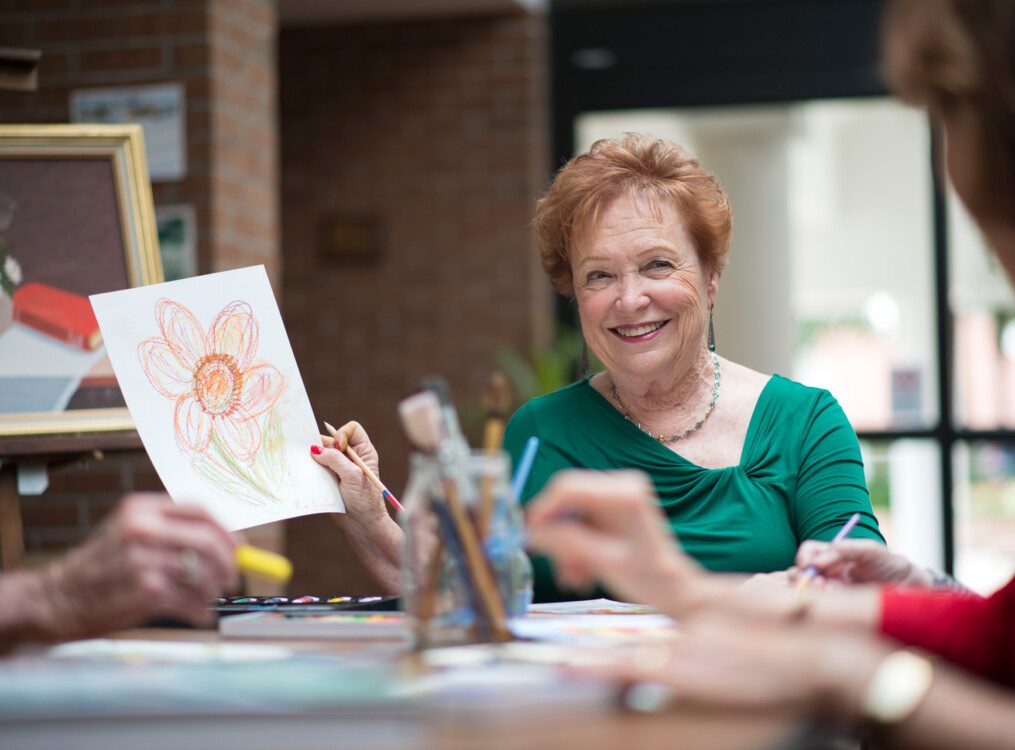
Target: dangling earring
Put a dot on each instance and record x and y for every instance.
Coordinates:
(711, 332)
(585, 358)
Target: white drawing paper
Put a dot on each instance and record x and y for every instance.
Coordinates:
(211, 382)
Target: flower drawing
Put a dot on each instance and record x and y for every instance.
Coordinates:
(220, 392)
(12, 270)
(10, 273)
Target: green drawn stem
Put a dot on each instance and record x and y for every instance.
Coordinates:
(256, 483)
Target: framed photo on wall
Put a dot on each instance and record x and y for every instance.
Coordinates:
(76, 218)
(159, 108)
(177, 240)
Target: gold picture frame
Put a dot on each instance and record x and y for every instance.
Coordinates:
(77, 218)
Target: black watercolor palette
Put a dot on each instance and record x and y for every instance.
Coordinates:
(295, 604)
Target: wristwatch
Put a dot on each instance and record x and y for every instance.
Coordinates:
(897, 688)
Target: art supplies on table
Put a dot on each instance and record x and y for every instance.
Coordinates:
(264, 563)
(138, 652)
(282, 624)
(114, 677)
(175, 696)
(231, 605)
(212, 384)
(453, 578)
(464, 565)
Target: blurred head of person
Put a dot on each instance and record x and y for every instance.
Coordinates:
(957, 59)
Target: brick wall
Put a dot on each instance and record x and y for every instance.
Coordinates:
(223, 52)
(435, 131)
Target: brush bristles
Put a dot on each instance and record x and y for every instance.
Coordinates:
(421, 420)
(498, 395)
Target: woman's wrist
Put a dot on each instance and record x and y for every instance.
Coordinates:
(366, 511)
(918, 577)
(365, 526)
(33, 612)
(696, 591)
(842, 677)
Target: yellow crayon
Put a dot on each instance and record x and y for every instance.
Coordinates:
(255, 560)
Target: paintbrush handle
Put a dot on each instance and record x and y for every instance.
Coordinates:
(428, 595)
(492, 435)
(476, 566)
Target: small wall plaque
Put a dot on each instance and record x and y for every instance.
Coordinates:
(351, 240)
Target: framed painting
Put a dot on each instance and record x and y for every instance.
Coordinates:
(76, 218)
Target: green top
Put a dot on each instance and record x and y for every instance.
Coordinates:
(800, 475)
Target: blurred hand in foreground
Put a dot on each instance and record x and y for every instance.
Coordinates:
(606, 527)
(151, 558)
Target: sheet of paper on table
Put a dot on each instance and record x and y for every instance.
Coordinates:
(211, 382)
(593, 630)
(590, 607)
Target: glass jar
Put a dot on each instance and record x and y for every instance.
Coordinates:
(439, 592)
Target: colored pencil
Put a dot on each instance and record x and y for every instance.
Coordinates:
(524, 467)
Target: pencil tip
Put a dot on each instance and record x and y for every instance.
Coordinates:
(330, 428)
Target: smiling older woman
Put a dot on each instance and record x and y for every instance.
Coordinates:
(745, 465)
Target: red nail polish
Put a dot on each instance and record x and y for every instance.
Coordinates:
(315, 449)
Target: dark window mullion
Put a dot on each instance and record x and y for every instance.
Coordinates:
(946, 434)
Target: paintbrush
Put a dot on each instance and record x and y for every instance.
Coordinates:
(497, 401)
(414, 411)
(354, 457)
(432, 426)
(452, 443)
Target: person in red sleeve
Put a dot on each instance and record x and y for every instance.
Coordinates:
(844, 651)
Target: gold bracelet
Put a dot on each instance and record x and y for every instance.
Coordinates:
(897, 687)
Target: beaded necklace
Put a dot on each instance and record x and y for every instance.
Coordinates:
(666, 439)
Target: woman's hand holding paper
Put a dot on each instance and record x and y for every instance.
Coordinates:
(374, 537)
(364, 505)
